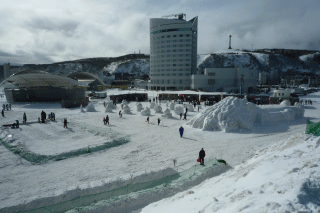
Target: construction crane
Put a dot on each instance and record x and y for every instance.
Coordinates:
(180, 16)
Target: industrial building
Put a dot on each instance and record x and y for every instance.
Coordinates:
(173, 52)
(40, 86)
(231, 80)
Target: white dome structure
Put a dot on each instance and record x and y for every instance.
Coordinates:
(158, 109)
(109, 107)
(152, 105)
(91, 108)
(126, 109)
(172, 105)
(146, 112)
(178, 109)
(139, 107)
(167, 113)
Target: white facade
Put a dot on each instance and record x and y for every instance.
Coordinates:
(263, 78)
(282, 93)
(173, 52)
(231, 80)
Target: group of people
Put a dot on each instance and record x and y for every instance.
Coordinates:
(6, 106)
(106, 120)
(306, 102)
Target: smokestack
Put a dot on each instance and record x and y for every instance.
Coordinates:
(230, 42)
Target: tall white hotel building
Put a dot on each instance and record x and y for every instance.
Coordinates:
(173, 52)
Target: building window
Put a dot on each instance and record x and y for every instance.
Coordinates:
(168, 36)
(162, 81)
(181, 35)
(212, 73)
(211, 81)
(180, 40)
(162, 36)
(188, 35)
(187, 64)
(174, 36)
(173, 74)
(174, 65)
(180, 74)
(180, 81)
(168, 81)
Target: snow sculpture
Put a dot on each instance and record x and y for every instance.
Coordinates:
(189, 107)
(152, 105)
(172, 104)
(90, 108)
(109, 107)
(167, 113)
(146, 112)
(178, 109)
(232, 114)
(126, 109)
(285, 103)
(158, 109)
(139, 107)
(81, 109)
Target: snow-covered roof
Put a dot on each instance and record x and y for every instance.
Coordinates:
(28, 80)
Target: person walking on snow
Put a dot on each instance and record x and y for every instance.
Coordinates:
(181, 131)
(159, 121)
(107, 120)
(120, 114)
(202, 154)
(65, 123)
(147, 119)
(104, 120)
(24, 118)
(180, 115)
(185, 116)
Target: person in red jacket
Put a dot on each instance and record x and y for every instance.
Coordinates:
(202, 154)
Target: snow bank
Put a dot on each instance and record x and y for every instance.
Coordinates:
(280, 178)
(234, 114)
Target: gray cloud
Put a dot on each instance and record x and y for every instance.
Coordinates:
(51, 31)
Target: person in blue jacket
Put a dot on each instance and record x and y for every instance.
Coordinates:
(181, 129)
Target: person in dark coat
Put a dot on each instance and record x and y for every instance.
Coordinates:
(185, 116)
(65, 123)
(24, 118)
(202, 154)
(2, 113)
(147, 119)
(181, 129)
(107, 120)
(159, 121)
(104, 120)
(180, 115)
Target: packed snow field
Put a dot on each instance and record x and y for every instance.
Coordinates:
(273, 158)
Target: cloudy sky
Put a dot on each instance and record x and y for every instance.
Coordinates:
(41, 31)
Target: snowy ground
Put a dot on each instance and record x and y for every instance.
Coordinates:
(153, 148)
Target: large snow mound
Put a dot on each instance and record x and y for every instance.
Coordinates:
(234, 114)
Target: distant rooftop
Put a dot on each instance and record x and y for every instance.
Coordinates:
(181, 16)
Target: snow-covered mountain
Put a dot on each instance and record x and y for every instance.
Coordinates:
(139, 64)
